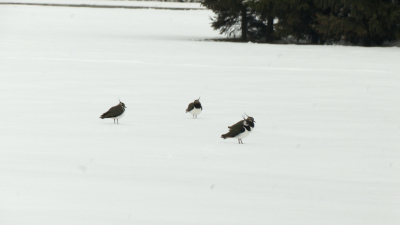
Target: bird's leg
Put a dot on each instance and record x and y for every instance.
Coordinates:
(114, 121)
(117, 121)
(239, 140)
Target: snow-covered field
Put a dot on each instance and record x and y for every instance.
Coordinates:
(124, 3)
(324, 151)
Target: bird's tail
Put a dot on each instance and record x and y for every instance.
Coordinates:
(103, 116)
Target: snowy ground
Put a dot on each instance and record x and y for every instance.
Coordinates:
(325, 149)
(155, 4)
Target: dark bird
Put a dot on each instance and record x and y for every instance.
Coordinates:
(194, 108)
(115, 112)
(240, 129)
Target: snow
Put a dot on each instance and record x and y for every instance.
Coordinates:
(186, 5)
(324, 150)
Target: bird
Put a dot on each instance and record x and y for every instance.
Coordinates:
(194, 108)
(240, 129)
(115, 112)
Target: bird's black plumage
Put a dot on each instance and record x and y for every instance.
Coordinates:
(190, 107)
(195, 108)
(239, 128)
(114, 112)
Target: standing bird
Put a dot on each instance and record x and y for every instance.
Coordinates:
(241, 129)
(115, 112)
(194, 108)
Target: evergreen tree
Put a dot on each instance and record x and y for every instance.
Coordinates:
(355, 21)
(297, 18)
(265, 16)
(231, 16)
(360, 21)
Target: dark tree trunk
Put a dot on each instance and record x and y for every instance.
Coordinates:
(244, 24)
(378, 41)
(270, 29)
(314, 38)
(367, 41)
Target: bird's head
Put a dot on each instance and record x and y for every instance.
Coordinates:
(249, 119)
(122, 104)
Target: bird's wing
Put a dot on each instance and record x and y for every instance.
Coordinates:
(237, 126)
(113, 112)
(234, 130)
(190, 107)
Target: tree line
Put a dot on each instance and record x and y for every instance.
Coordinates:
(357, 22)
